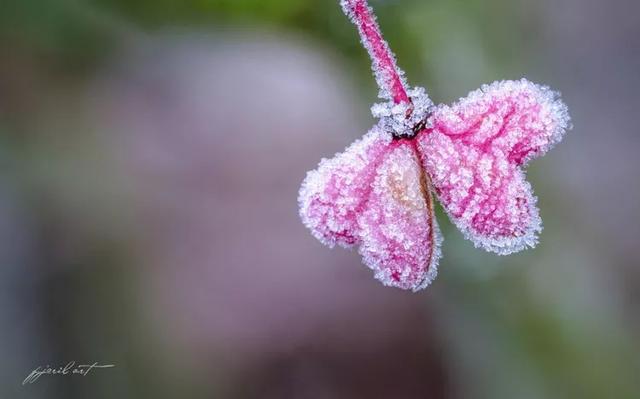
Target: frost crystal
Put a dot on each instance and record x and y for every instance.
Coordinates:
(402, 119)
(377, 193)
(389, 77)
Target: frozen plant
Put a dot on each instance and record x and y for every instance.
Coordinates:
(378, 193)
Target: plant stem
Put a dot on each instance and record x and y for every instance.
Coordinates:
(389, 77)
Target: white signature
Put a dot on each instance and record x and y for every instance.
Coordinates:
(67, 369)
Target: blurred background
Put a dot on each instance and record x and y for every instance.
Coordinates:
(150, 157)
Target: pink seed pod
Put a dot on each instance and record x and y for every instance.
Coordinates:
(400, 239)
(333, 195)
(474, 153)
(378, 193)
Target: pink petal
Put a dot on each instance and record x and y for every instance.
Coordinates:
(474, 152)
(400, 236)
(332, 195)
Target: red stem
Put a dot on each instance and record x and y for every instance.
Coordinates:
(388, 76)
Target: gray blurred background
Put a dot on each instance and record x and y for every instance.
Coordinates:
(151, 152)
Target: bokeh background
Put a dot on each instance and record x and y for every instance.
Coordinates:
(150, 156)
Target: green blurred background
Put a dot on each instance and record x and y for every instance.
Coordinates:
(151, 153)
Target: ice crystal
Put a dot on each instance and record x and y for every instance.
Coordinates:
(389, 77)
(403, 118)
(377, 194)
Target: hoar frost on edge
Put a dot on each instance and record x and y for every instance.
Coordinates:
(377, 194)
(402, 118)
